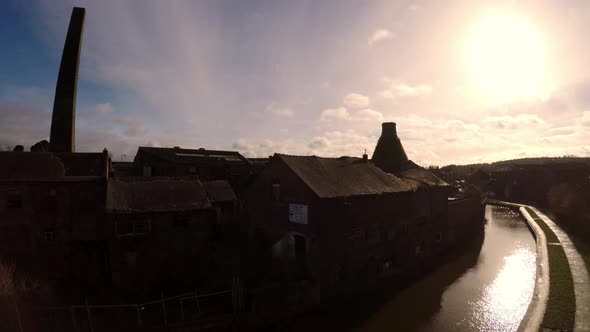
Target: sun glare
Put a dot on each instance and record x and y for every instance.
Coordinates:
(506, 58)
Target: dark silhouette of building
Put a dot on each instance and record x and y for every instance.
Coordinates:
(344, 223)
(63, 129)
(164, 230)
(48, 216)
(206, 164)
(65, 221)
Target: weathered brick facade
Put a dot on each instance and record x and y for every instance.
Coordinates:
(350, 240)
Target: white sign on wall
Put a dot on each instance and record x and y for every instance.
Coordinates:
(298, 213)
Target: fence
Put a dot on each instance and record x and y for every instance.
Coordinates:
(183, 309)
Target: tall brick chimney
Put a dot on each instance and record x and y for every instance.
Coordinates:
(63, 121)
(389, 153)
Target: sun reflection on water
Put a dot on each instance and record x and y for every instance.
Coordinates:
(506, 299)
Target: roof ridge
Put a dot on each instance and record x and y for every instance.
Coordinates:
(314, 156)
(186, 149)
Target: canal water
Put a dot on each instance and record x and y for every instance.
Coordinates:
(488, 288)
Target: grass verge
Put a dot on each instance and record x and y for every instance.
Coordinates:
(583, 246)
(561, 307)
(551, 237)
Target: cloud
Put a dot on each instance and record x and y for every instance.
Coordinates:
(414, 7)
(338, 143)
(188, 66)
(26, 124)
(23, 124)
(585, 119)
(339, 113)
(103, 108)
(134, 126)
(278, 111)
(318, 143)
(521, 121)
(368, 115)
(263, 148)
(400, 90)
(379, 35)
(356, 101)
(343, 114)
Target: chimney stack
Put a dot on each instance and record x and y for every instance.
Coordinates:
(388, 129)
(389, 153)
(63, 122)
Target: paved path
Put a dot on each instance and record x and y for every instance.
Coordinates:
(579, 274)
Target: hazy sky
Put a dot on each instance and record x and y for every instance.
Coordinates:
(466, 81)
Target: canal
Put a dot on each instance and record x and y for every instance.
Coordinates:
(486, 287)
(492, 294)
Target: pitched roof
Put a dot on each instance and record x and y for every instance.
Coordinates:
(161, 194)
(84, 163)
(190, 156)
(30, 166)
(345, 176)
(219, 191)
(423, 176)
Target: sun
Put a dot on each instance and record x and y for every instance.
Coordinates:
(505, 55)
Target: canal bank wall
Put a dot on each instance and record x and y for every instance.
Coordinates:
(533, 318)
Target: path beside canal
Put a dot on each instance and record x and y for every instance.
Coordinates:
(569, 276)
(579, 273)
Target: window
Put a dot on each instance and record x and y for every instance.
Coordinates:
(391, 234)
(14, 201)
(373, 236)
(49, 235)
(147, 171)
(132, 226)
(181, 220)
(438, 237)
(276, 190)
(131, 258)
(418, 250)
(141, 226)
(405, 228)
(421, 221)
(386, 266)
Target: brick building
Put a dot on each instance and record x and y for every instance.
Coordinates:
(164, 232)
(86, 232)
(344, 223)
(51, 222)
(206, 164)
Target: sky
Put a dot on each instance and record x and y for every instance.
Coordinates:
(465, 81)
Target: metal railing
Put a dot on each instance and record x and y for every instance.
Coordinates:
(182, 309)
